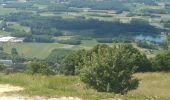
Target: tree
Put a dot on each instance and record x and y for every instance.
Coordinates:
(2, 67)
(14, 51)
(1, 49)
(14, 54)
(168, 39)
(109, 69)
(161, 62)
(72, 61)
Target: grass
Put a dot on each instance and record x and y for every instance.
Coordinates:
(53, 86)
(4, 33)
(153, 86)
(42, 50)
(31, 50)
(5, 11)
(63, 37)
(20, 27)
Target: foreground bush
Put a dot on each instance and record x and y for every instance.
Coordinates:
(110, 69)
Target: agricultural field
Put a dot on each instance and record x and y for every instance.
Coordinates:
(20, 27)
(5, 11)
(85, 49)
(4, 33)
(32, 50)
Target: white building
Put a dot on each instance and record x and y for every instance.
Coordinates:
(4, 39)
(6, 62)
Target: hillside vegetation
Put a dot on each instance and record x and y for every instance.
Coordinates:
(152, 86)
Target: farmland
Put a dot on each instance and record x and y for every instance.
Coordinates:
(39, 50)
(86, 49)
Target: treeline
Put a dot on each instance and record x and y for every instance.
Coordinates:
(146, 2)
(44, 25)
(69, 60)
(18, 5)
(49, 27)
(14, 55)
(102, 5)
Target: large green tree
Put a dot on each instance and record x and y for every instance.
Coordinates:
(111, 69)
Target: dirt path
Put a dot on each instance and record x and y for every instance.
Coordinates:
(5, 88)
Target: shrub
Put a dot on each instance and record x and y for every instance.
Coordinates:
(71, 61)
(2, 67)
(39, 67)
(161, 62)
(109, 69)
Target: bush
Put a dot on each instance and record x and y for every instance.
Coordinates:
(161, 62)
(2, 67)
(71, 61)
(39, 67)
(109, 69)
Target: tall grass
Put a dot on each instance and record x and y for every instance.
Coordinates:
(56, 86)
(153, 86)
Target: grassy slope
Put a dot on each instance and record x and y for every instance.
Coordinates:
(52, 86)
(153, 86)
(39, 50)
(42, 50)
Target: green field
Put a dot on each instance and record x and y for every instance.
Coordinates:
(42, 50)
(4, 33)
(153, 86)
(20, 27)
(4, 11)
(31, 50)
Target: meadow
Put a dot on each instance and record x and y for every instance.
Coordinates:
(153, 86)
(5, 11)
(31, 50)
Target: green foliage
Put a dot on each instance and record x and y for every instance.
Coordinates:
(1, 49)
(71, 61)
(72, 41)
(2, 25)
(110, 69)
(161, 62)
(145, 44)
(139, 21)
(2, 67)
(4, 55)
(104, 40)
(14, 51)
(168, 39)
(57, 55)
(39, 67)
